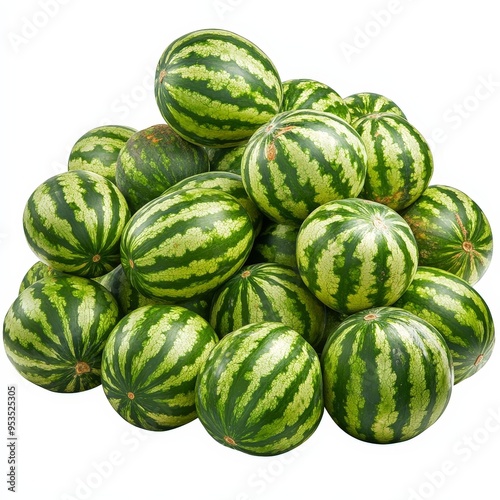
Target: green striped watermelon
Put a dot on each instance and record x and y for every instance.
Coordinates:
(452, 232)
(387, 375)
(300, 160)
(154, 159)
(400, 163)
(275, 243)
(366, 103)
(97, 150)
(73, 222)
(36, 272)
(215, 88)
(228, 182)
(186, 243)
(55, 330)
(150, 363)
(268, 292)
(354, 254)
(226, 159)
(303, 93)
(129, 299)
(458, 312)
(260, 390)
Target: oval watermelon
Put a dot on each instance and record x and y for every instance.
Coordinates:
(150, 363)
(97, 150)
(73, 222)
(186, 243)
(215, 88)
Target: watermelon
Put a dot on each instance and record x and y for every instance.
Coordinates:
(73, 222)
(268, 292)
(36, 272)
(129, 299)
(154, 159)
(387, 374)
(354, 254)
(275, 243)
(400, 163)
(150, 363)
(452, 232)
(215, 88)
(184, 244)
(304, 93)
(97, 150)
(458, 312)
(55, 330)
(260, 390)
(226, 159)
(228, 182)
(300, 160)
(367, 103)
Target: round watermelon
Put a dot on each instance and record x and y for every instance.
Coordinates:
(367, 103)
(354, 254)
(268, 292)
(55, 330)
(152, 160)
(300, 160)
(215, 88)
(458, 312)
(387, 374)
(260, 390)
(150, 363)
(305, 93)
(452, 232)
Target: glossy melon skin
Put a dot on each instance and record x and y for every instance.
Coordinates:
(260, 390)
(354, 254)
(215, 87)
(55, 330)
(150, 364)
(388, 375)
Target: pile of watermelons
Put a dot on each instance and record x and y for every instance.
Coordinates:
(271, 250)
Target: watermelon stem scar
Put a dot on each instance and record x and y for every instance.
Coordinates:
(229, 440)
(82, 367)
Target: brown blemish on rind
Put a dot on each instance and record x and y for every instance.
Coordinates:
(162, 75)
(246, 274)
(96, 258)
(229, 440)
(370, 317)
(130, 395)
(478, 359)
(131, 263)
(82, 367)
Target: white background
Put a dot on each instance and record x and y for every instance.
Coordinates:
(70, 65)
